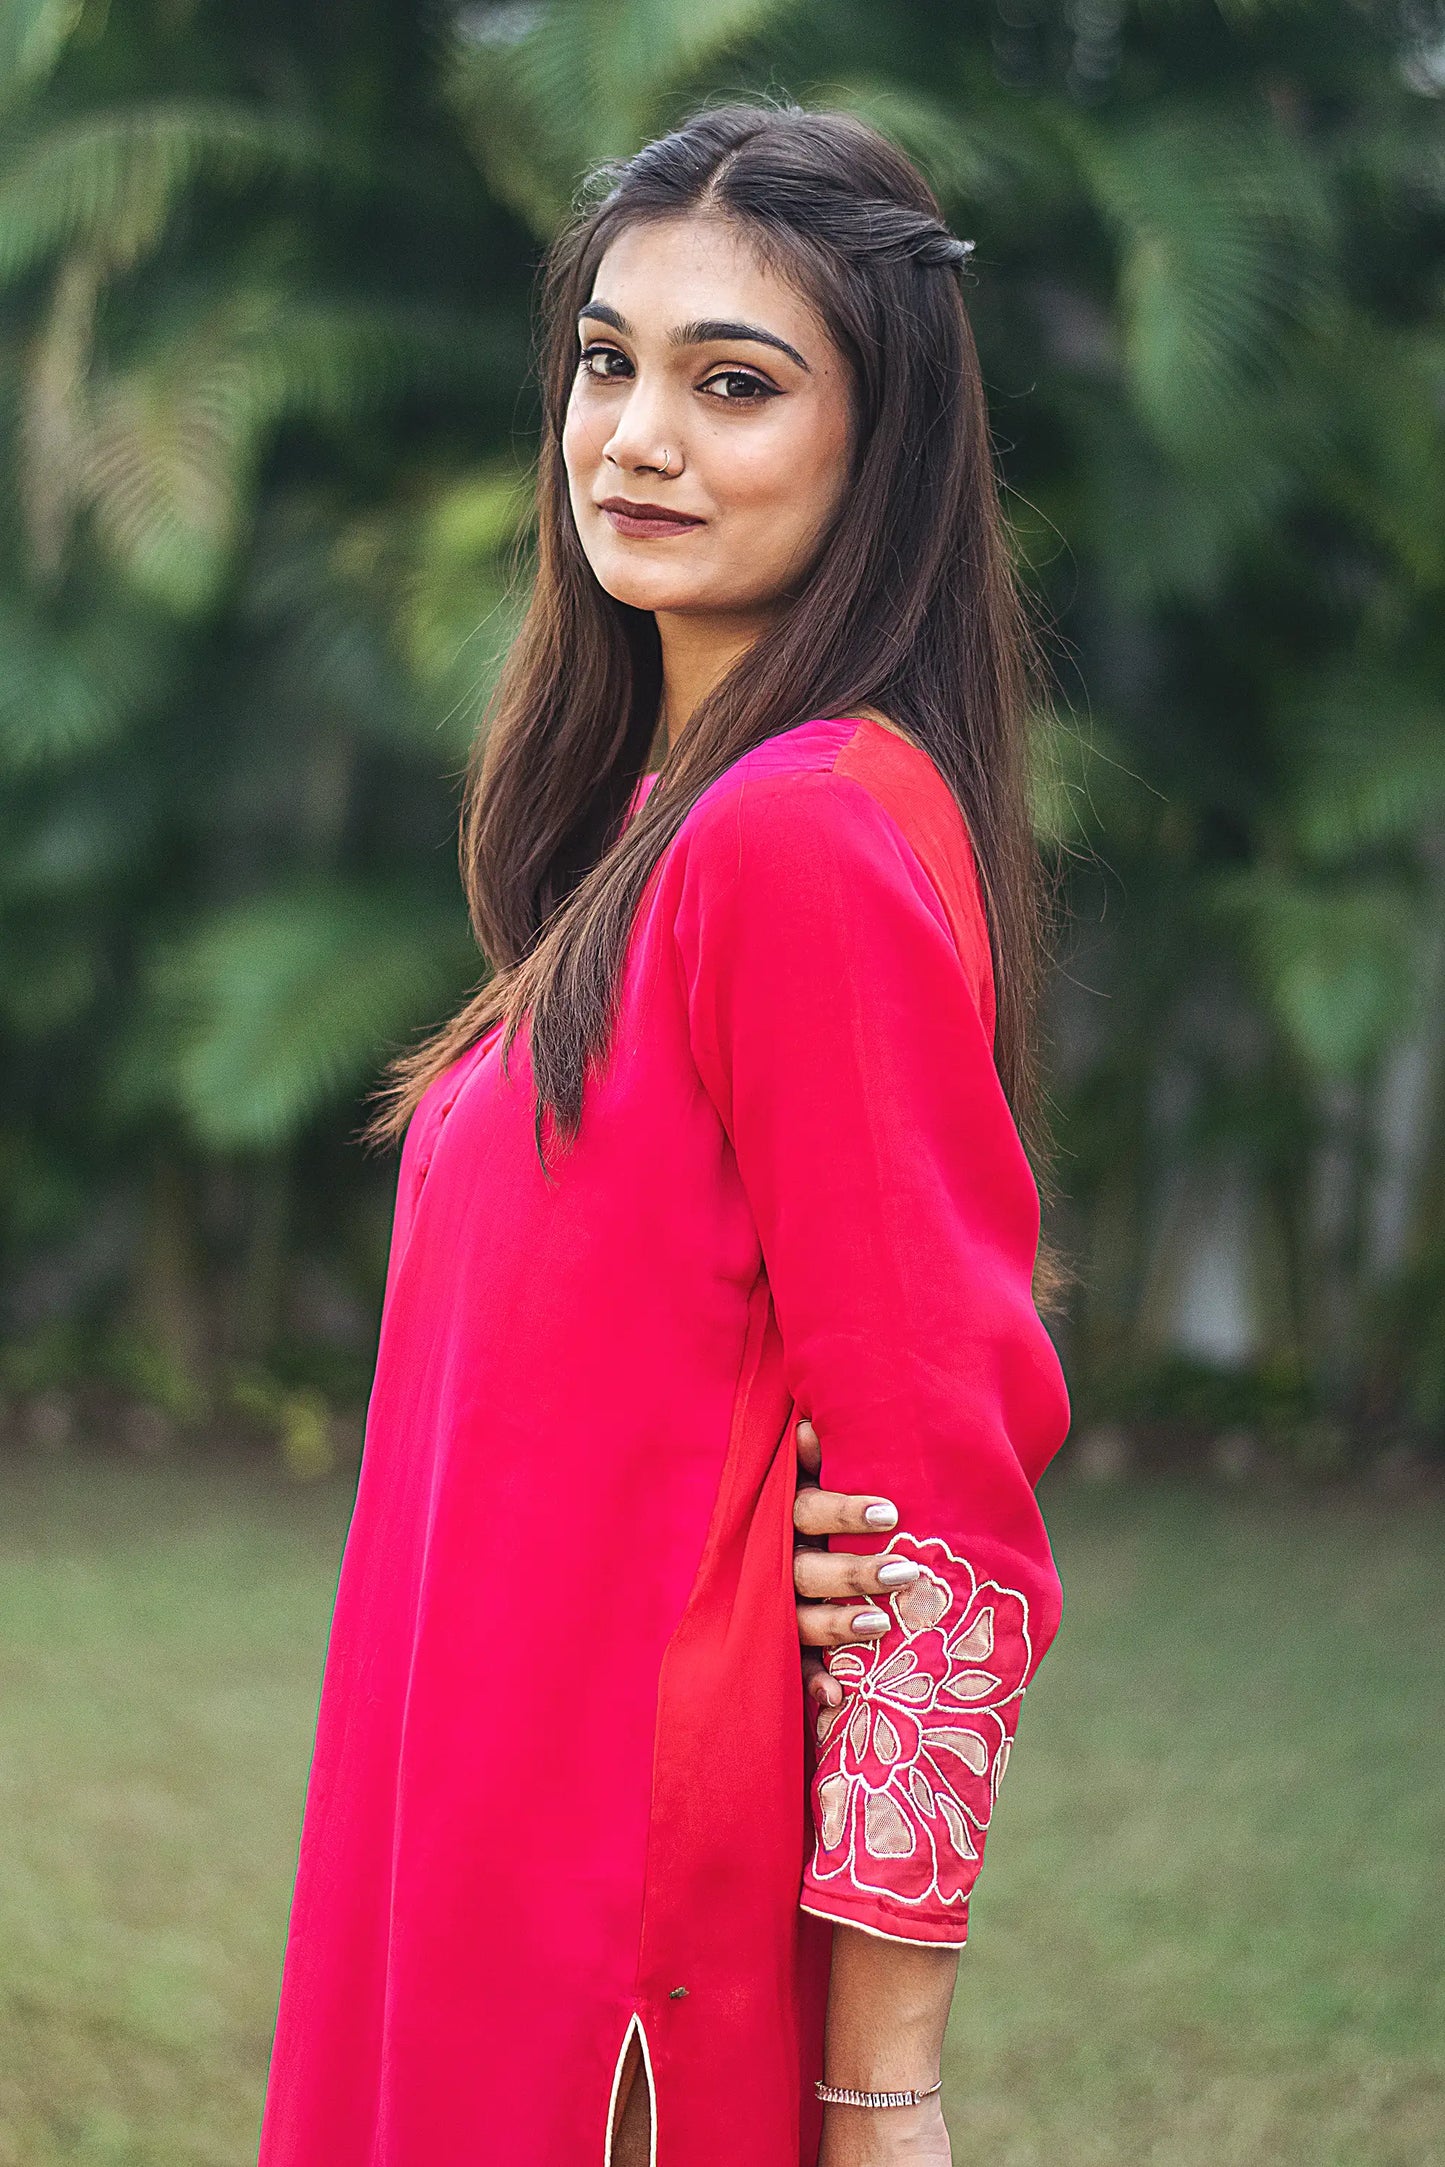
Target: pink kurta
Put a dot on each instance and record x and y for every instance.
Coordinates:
(563, 1788)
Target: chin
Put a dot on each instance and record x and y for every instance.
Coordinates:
(640, 589)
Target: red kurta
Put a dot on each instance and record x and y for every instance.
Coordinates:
(560, 1788)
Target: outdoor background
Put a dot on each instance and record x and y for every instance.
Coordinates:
(265, 424)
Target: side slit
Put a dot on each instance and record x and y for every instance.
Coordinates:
(638, 2031)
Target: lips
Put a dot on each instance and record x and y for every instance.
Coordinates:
(646, 521)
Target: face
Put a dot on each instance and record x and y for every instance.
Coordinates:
(708, 429)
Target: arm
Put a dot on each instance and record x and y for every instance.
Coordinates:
(888, 2004)
(843, 1039)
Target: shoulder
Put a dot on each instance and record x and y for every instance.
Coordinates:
(809, 775)
(858, 800)
(905, 781)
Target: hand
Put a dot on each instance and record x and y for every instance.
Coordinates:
(885, 2137)
(837, 1591)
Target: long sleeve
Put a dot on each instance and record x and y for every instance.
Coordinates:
(839, 1027)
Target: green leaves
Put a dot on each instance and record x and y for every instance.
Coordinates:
(547, 92)
(111, 180)
(1082, 789)
(1226, 234)
(169, 461)
(1336, 961)
(33, 34)
(1372, 756)
(72, 681)
(271, 1011)
(979, 156)
(266, 466)
(459, 604)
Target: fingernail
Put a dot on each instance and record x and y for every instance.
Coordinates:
(870, 1621)
(881, 1514)
(898, 1574)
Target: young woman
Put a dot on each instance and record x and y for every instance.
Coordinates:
(727, 1152)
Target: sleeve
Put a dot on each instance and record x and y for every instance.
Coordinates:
(842, 1040)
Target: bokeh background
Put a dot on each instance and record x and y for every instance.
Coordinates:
(265, 425)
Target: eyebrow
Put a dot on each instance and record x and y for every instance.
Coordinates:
(704, 331)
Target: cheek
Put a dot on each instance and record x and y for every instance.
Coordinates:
(789, 476)
(586, 427)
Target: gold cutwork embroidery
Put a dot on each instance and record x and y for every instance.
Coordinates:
(885, 1831)
(904, 1790)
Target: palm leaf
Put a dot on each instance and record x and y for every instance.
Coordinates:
(1371, 756)
(175, 437)
(68, 685)
(458, 606)
(111, 180)
(549, 92)
(33, 34)
(1156, 532)
(1227, 240)
(284, 1005)
(1335, 961)
(1381, 396)
(972, 154)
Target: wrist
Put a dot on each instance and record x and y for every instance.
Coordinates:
(885, 2136)
(876, 2095)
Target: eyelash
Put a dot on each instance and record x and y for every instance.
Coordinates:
(761, 389)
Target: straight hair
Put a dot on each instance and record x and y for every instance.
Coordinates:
(911, 606)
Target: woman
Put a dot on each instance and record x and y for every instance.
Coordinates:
(576, 1883)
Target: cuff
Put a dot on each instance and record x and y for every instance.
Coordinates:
(910, 1765)
(925, 1933)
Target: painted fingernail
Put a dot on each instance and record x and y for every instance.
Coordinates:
(870, 1621)
(881, 1515)
(898, 1574)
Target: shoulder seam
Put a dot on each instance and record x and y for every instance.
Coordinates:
(839, 750)
(916, 857)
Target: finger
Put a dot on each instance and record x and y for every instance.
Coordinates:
(818, 1681)
(830, 1512)
(810, 1450)
(835, 1625)
(831, 1576)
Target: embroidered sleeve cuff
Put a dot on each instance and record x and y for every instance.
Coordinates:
(910, 1765)
(874, 1918)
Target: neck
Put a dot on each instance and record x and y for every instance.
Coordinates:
(697, 653)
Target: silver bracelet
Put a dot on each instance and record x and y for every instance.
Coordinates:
(835, 2095)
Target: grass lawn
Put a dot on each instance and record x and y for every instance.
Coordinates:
(1209, 1933)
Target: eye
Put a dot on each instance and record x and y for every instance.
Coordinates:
(744, 389)
(591, 354)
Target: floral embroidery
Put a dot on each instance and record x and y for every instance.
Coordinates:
(910, 1765)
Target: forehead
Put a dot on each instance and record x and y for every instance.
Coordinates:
(665, 271)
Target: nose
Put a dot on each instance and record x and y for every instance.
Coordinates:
(647, 433)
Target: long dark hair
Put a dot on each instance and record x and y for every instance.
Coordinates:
(911, 607)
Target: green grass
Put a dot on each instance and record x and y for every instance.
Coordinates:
(1208, 1933)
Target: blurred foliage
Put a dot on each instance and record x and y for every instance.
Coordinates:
(264, 422)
